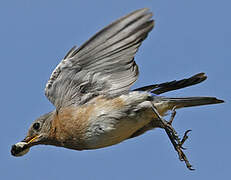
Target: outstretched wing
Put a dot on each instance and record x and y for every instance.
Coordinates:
(102, 65)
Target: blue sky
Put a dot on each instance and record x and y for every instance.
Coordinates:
(189, 37)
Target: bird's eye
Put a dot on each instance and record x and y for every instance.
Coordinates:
(36, 126)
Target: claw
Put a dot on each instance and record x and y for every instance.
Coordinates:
(173, 136)
(185, 137)
(190, 168)
(186, 132)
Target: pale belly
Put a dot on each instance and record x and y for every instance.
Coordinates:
(108, 131)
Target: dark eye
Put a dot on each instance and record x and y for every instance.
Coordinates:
(36, 126)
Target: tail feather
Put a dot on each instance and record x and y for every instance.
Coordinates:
(190, 101)
(173, 85)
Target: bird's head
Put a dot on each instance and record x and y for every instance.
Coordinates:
(38, 133)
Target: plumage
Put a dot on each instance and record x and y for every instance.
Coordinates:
(103, 65)
(94, 105)
(173, 85)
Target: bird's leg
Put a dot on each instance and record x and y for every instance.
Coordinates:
(173, 136)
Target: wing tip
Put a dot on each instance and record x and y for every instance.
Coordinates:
(142, 10)
(219, 100)
(139, 12)
(201, 76)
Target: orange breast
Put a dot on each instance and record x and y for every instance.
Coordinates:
(71, 123)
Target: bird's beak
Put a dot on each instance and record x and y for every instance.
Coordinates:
(31, 139)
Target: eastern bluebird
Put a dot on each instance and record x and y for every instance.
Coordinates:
(95, 107)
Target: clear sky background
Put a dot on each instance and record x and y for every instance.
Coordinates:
(189, 37)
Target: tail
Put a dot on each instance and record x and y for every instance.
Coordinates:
(173, 85)
(189, 101)
(169, 103)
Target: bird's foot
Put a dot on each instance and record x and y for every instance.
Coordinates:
(173, 136)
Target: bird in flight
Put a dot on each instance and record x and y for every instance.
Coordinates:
(94, 104)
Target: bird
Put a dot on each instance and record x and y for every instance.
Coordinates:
(95, 106)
